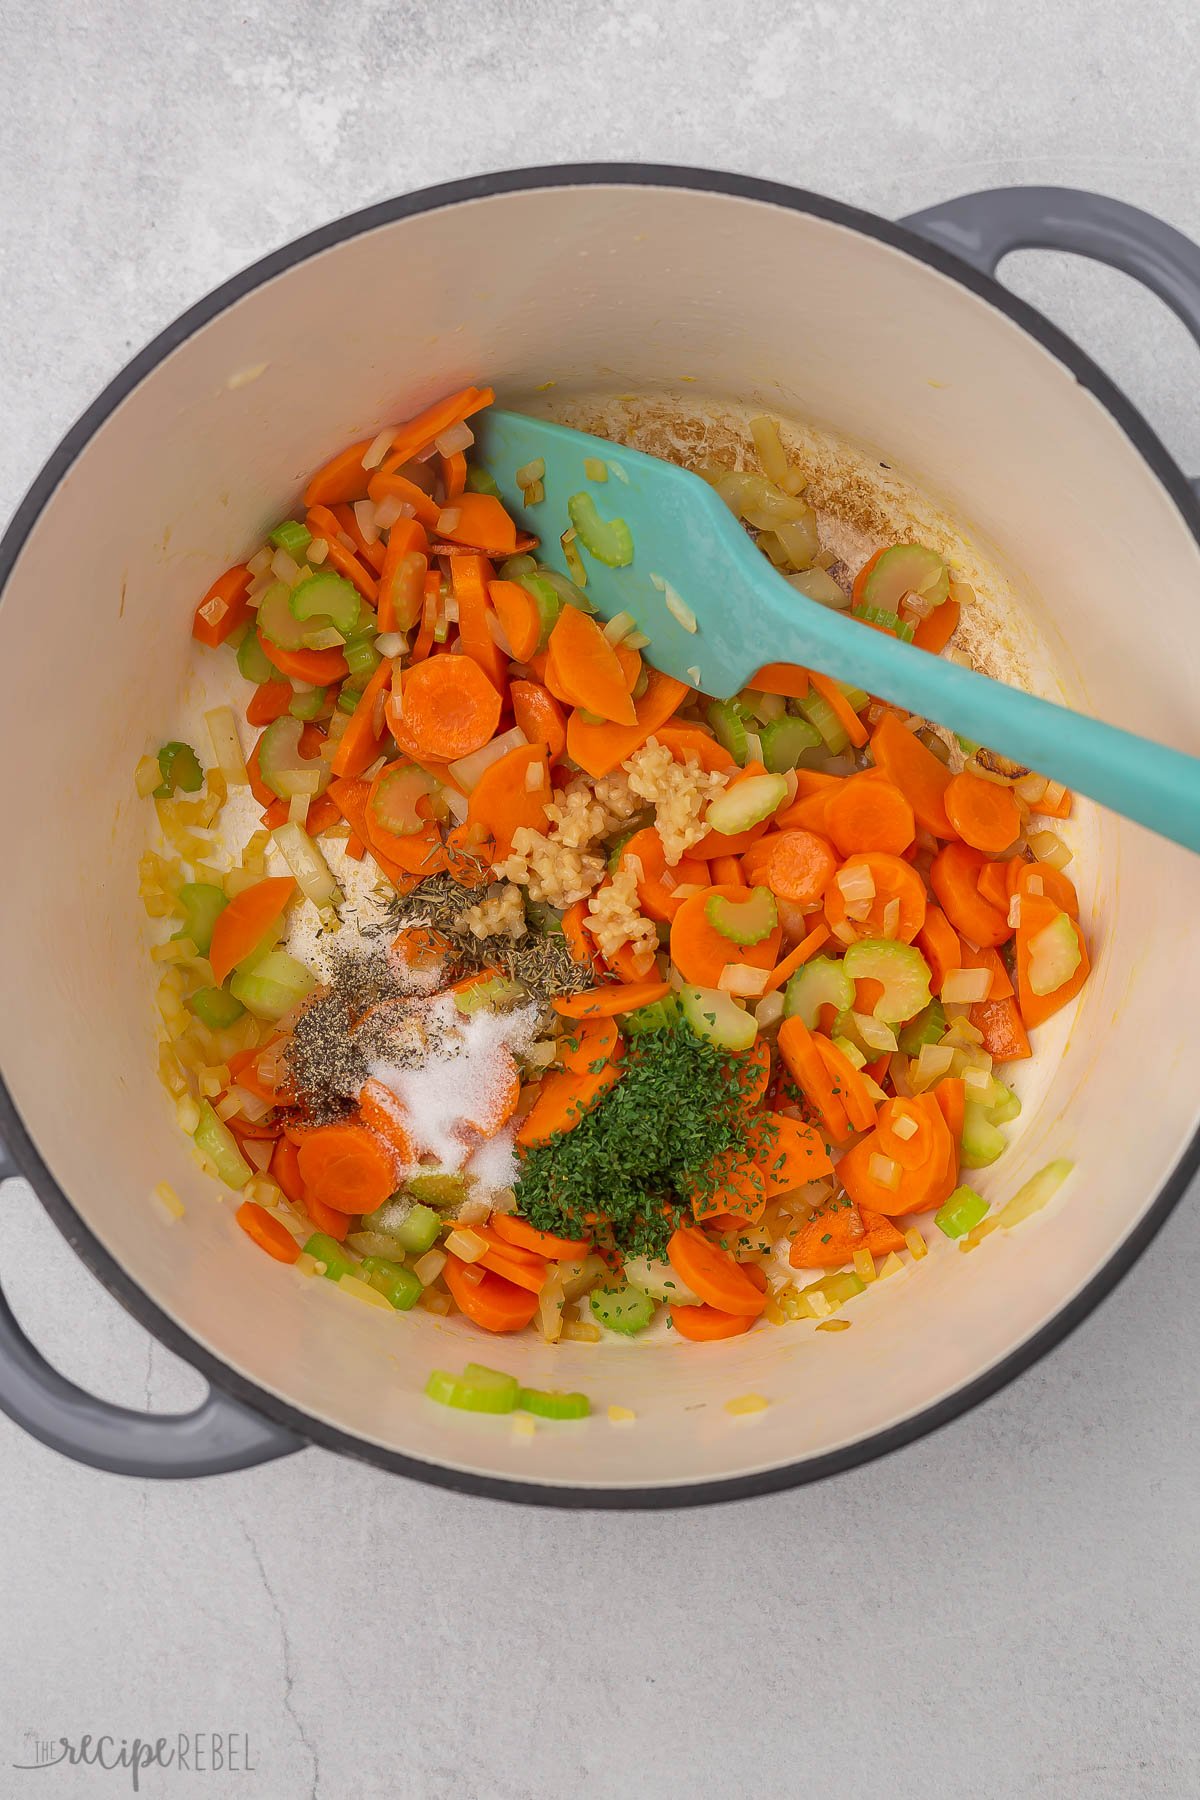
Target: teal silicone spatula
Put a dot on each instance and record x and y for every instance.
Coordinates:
(688, 548)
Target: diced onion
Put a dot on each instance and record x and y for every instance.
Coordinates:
(883, 1170)
(391, 643)
(222, 730)
(312, 872)
(473, 1212)
(449, 519)
(457, 803)
(962, 591)
(298, 807)
(147, 776)
(251, 1106)
(285, 568)
(978, 1079)
(254, 593)
(1053, 795)
(368, 524)
(769, 1010)
(260, 562)
(904, 1126)
(891, 919)
(258, 1151)
(679, 610)
(1049, 848)
(1030, 789)
(619, 627)
(753, 747)
(496, 632)
(467, 1245)
(467, 770)
(966, 987)
(457, 437)
(427, 1268)
(874, 1033)
(738, 979)
(1014, 913)
(933, 1062)
(765, 433)
(535, 777)
(378, 448)
(856, 883)
(317, 551)
(391, 508)
(531, 472)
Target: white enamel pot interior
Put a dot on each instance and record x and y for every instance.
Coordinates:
(690, 298)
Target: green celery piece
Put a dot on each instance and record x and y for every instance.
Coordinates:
(609, 540)
(213, 1137)
(326, 596)
(276, 983)
(180, 768)
(438, 1187)
(362, 659)
(816, 709)
(659, 1015)
(278, 624)
(620, 1307)
(545, 597)
(715, 1015)
(960, 1213)
(418, 1230)
(477, 1389)
(292, 536)
(348, 699)
(551, 1404)
(729, 729)
(398, 1285)
(215, 1007)
(324, 1249)
(784, 741)
(747, 803)
(982, 1142)
(928, 1027)
(203, 903)
(902, 970)
(309, 705)
(743, 922)
(496, 992)
(480, 481)
(879, 615)
(820, 982)
(253, 661)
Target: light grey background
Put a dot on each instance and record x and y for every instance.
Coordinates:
(1007, 1609)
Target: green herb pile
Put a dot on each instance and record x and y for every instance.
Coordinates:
(648, 1146)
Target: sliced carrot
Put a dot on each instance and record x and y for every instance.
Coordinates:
(688, 742)
(525, 1236)
(503, 801)
(954, 878)
(894, 880)
(808, 812)
(383, 1114)
(788, 679)
(940, 945)
(984, 814)
(520, 621)
(832, 1235)
(848, 1084)
(799, 867)
(330, 1219)
(322, 813)
(223, 608)
(994, 885)
(447, 708)
(713, 1274)
(563, 1100)
(809, 1070)
(346, 1166)
(700, 952)
(916, 771)
(360, 743)
(918, 1188)
(750, 1075)
(342, 478)
(501, 1102)
(1004, 1036)
(951, 1096)
(318, 667)
(469, 579)
(1001, 987)
(599, 749)
(371, 554)
(1040, 878)
(1061, 810)
(607, 1002)
(538, 713)
(808, 946)
(1038, 912)
(483, 523)
(324, 524)
(394, 486)
(269, 702)
(402, 577)
(588, 1042)
(849, 720)
(588, 668)
(657, 883)
(454, 480)
(573, 919)
(630, 966)
(728, 871)
(707, 1324)
(488, 1299)
(790, 1152)
(284, 1170)
(419, 433)
(245, 922)
(936, 629)
(869, 813)
(268, 1232)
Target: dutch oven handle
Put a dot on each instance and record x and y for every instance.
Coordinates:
(219, 1436)
(984, 228)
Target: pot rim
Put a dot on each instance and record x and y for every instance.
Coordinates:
(19, 1142)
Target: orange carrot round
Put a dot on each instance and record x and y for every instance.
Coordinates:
(656, 882)
(269, 702)
(245, 922)
(916, 771)
(599, 749)
(700, 952)
(607, 1002)
(868, 813)
(503, 801)
(329, 1219)
(519, 618)
(831, 1237)
(383, 1113)
(347, 1167)
(488, 1299)
(226, 599)
(935, 630)
(268, 1232)
(688, 741)
(525, 1236)
(713, 1274)
(482, 523)
(954, 878)
(707, 1324)
(983, 813)
(447, 709)
(342, 478)
(563, 1099)
(799, 867)
(894, 880)
(539, 716)
(940, 945)
(588, 668)
(284, 1170)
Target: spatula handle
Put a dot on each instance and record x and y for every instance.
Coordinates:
(1150, 783)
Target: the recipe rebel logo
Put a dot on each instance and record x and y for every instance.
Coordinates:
(187, 1752)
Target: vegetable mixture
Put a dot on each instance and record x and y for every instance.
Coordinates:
(548, 990)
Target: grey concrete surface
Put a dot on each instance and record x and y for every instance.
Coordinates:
(1006, 1610)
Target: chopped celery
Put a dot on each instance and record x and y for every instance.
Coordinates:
(477, 1389)
(285, 771)
(1001, 1104)
(902, 970)
(545, 597)
(213, 1137)
(745, 804)
(619, 1306)
(253, 661)
(307, 705)
(821, 982)
(214, 1007)
(928, 1027)
(278, 623)
(716, 1015)
(549, 1403)
(398, 1285)
(1054, 955)
(907, 569)
(396, 802)
(743, 922)
(348, 699)
(829, 1293)
(514, 567)
(180, 768)
(328, 598)
(324, 1249)
(481, 481)
(292, 536)
(202, 904)
(727, 721)
(494, 992)
(570, 593)
(418, 1230)
(362, 659)
(658, 1016)
(763, 707)
(890, 621)
(857, 697)
(785, 741)
(850, 1051)
(982, 1142)
(609, 540)
(816, 709)
(273, 986)
(438, 1187)
(960, 1213)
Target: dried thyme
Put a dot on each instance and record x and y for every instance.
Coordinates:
(541, 961)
